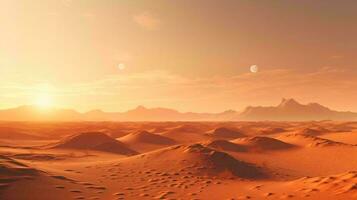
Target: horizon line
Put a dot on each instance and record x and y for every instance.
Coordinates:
(168, 108)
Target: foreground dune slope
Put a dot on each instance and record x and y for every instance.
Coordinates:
(20, 181)
(199, 160)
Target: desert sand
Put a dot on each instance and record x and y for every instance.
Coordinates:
(178, 160)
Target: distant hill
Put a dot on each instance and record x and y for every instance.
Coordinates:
(291, 110)
(164, 114)
(287, 110)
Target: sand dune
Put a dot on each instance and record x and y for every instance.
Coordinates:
(94, 141)
(314, 131)
(338, 184)
(310, 141)
(259, 143)
(343, 137)
(146, 137)
(225, 133)
(201, 160)
(11, 167)
(14, 134)
(271, 130)
(189, 127)
(186, 134)
(20, 181)
(144, 141)
(225, 145)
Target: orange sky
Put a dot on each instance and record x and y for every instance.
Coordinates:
(187, 55)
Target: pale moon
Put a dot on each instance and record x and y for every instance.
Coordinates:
(121, 66)
(254, 69)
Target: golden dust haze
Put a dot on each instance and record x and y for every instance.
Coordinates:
(188, 55)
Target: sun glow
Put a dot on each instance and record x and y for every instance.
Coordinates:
(44, 101)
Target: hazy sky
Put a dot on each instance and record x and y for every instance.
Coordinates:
(183, 54)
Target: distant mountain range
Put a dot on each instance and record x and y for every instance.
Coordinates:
(287, 110)
(291, 110)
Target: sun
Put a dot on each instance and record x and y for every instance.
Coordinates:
(44, 101)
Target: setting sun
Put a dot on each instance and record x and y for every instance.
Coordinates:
(44, 101)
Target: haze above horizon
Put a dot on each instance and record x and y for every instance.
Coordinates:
(201, 56)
